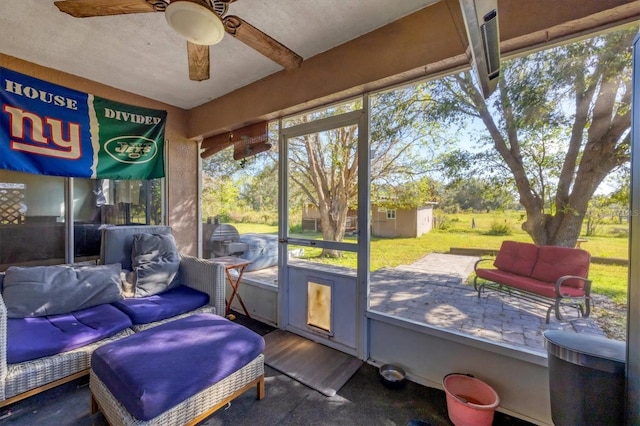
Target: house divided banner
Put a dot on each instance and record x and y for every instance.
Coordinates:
(52, 130)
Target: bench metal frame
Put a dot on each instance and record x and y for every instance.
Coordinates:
(581, 303)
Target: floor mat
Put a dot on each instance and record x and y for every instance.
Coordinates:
(317, 366)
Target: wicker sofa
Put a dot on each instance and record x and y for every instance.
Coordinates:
(19, 380)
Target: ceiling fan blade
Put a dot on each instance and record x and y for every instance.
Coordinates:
(89, 8)
(198, 55)
(256, 39)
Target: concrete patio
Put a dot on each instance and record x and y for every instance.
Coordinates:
(432, 291)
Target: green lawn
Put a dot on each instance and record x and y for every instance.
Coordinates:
(611, 240)
(610, 280)
(255, 228)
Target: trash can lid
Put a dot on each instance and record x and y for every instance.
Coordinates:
(587, 350)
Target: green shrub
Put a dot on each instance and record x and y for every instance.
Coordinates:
(296, 229)
(223, 217)
(500, 228)
(619, 232)
(441, 222)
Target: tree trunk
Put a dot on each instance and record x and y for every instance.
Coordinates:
(333, 215)
(598, 142)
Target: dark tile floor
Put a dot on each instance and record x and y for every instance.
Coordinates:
(362, 401)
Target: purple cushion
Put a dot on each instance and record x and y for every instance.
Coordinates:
(32, 338)
(144, 310)
(156, 369)
(555, 262)
(516, 257)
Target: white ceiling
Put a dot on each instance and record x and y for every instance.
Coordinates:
(139, 53)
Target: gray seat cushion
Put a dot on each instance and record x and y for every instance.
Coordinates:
(155, 261)
(38, 291)
(117, 242)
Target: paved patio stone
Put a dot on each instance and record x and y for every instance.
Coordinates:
(432, 291)
(451, 304)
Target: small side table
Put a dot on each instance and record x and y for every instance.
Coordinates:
(238, 264)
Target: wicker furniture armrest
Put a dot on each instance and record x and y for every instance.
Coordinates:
(206, 276)
(3, 348)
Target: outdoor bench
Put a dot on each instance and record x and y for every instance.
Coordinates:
(542, 273)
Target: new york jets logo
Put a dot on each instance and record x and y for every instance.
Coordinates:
(131, 149)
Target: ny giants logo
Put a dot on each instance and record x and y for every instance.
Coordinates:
(56, 145)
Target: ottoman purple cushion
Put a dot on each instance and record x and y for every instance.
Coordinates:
(144, 310)
(32, 338)
(156, 369)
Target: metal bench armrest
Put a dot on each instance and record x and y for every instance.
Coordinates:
(587, 283)
(475, 265)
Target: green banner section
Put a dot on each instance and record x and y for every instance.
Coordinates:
(136, 153)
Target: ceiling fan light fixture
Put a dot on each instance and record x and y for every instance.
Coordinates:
(194, 22)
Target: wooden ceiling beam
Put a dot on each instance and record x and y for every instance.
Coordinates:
(247, 136)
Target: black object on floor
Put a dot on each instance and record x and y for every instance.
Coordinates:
(252, 324)
(418, 422)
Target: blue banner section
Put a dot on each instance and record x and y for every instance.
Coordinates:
(52, 130)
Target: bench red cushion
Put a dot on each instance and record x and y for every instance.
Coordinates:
(516, 257)
(555, 262)
(542, 288)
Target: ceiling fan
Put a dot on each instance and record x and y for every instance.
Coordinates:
(201, 22)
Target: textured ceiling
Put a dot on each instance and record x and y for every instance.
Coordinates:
(139, 53)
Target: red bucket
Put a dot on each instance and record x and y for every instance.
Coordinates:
(470, 402)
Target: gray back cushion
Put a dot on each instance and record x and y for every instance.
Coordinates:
(155, 260)
(50, 290)
(117, 242)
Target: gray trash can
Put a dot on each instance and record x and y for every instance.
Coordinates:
(586, 379)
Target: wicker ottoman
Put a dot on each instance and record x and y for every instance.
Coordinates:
(177, 373)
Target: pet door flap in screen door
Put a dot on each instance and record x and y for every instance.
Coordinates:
(319, 301)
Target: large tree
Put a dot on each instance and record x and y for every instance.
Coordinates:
(558, 124)
(324, 166)
(476, 195)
